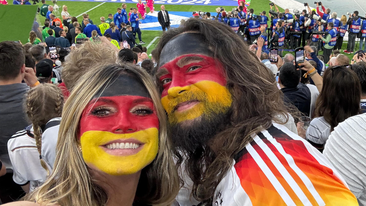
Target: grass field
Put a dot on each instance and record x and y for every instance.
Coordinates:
(103, 9)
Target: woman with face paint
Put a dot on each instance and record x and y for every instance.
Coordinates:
(113, 147)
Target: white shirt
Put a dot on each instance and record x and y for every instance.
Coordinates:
(346, 150)
(24, 157)
(318, 131)
(49, 141)
(314, 95)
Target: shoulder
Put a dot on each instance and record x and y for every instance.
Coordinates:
(22, 203)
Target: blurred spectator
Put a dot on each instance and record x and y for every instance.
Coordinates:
(346, 150)
(73, 32)
(342, 60)
(338, 100)
(44, 70)
(45, 30)
(265, 60)
(66, 17)
(51, 39)
(62, 41)
(55, 20)
(110, 19)
(12, 91)
(113, 32)
(89, 28)
(43, 103)
(295, 93)
(114, 42)
(148, 65)
(49, 12)
(33, 39)
(128, 36)
(360, 70)
(68, 35)
(126, 55)
(57, 29)
(37, 29)
(44, 8)
(83, 25)
(103, 25)
(288, 58)
(38, 52)
(79, 34)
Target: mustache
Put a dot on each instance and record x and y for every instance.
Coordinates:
(186, 97)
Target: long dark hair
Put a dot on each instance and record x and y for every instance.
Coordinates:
(256, 102)
(340, 96)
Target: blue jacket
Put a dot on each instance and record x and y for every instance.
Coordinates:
(124, 16)
(129, 37)
(62, 42)
(47, 14)
(50, 41)
(89, 28)
(133, 18)
(116, 35)
(118, 19)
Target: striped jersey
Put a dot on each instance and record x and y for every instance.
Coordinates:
(278, 168)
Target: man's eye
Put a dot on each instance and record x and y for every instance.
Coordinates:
(193, 68)
(166, 81)
(101, 112)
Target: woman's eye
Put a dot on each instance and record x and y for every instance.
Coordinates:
(193, 68)
(166, 81)
(101, 112)
(142, 111)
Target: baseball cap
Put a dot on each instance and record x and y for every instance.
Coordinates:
(44, 68)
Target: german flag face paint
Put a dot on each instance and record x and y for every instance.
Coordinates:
(119, 130)
(193, 85)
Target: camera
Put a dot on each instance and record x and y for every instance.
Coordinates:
(306, 4)
(320, 3)
(320, 32)
(271, 4)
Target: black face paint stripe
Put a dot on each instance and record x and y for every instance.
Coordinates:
(187, 43)
(124, 85)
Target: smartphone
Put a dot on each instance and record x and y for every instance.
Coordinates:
(125, 44)
(299, 56)
(53, 53)
(273, 55)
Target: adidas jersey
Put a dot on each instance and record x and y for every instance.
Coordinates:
(279, 168)
(49, 141)
(24, 157)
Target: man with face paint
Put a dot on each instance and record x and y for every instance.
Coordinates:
(226, 117)
(119, 128)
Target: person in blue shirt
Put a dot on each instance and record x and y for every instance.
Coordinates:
(89, 28)
(26, 2)
(16, 2)
(134, 19)
(124, 15)
(264, 19)
(117, 18)
(234, 22)
(243, 19)
(49, 12)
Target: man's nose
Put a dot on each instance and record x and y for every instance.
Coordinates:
(176, 91)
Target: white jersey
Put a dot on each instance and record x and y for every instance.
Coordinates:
(49, 141)
(279, 168)
(24, 157)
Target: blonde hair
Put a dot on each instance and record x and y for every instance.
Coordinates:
(94, 33)
(32, 36)
(66, 29)
(63, 7)
(43, 103)
(80, 60)
(344, 19)
(71, 182)
(113, 27)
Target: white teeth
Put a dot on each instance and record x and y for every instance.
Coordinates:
(123, 146)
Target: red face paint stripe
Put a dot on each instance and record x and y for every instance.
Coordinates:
(127, 114)
(199, 70)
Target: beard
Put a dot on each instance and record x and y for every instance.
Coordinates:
(193, 136)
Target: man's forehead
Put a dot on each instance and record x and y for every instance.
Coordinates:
(187, 43)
